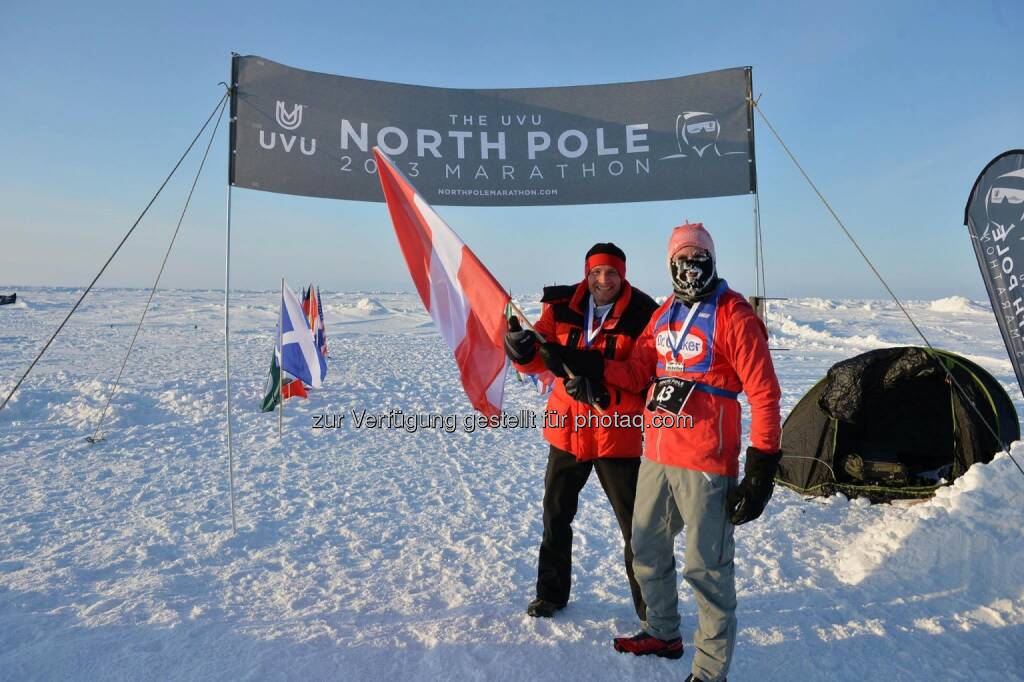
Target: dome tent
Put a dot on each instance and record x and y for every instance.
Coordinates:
(889, 424)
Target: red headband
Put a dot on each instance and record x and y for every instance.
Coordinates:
(605, 259)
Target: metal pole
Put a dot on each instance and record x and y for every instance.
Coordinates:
(757, 253)
(760, 243)
(280, 368)
(227, 359)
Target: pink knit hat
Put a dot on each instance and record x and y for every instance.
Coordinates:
(690, 234)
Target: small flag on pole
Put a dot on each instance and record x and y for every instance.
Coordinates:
(292, 388)
(313, 309)
(299, 356)
(465, 301)
(321, 331)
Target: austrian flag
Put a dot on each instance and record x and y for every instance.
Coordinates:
(465, 301)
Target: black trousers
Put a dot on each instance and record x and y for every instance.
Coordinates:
(563, 481)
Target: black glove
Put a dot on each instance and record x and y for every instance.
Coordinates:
(582, 363)
(748, 500)
(520, 344)
(590, 391)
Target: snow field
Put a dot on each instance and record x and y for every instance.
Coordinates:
(381, 554)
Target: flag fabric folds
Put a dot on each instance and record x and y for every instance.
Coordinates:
(292, 388)
(321, 331)
(465, 301)
(299, 355)
(313, 308)
(544, 381)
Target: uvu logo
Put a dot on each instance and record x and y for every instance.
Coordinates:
(289, 120)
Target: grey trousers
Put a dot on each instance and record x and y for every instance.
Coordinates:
(669, 499)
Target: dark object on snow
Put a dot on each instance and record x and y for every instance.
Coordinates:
(889, 424)
(540, 608)
(7, 300)
(881, 467)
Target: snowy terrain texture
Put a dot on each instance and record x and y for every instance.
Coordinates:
(379, 554)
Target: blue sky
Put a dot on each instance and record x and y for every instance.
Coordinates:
(893, 107)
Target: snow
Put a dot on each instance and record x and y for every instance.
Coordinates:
(366, 554)
(958, 304)
(371, 306)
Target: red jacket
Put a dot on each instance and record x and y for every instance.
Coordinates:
(726, 351)
(573, 426)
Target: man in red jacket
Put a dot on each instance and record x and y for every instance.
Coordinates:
(605, 314)
(702, 347)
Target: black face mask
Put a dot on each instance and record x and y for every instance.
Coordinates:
(694, 277)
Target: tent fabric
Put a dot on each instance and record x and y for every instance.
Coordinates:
(889, 423)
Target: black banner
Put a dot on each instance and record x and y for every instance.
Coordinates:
(995, 219)
(313, 134)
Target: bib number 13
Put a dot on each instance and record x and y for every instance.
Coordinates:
(670, 395)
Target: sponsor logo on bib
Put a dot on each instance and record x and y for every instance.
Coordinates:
(692, 347)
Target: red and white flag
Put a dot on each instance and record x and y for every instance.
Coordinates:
(465, 301)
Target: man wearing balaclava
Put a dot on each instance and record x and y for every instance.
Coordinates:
(703, 347)
(604, 313)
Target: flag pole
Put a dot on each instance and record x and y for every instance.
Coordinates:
(529, 325)
(232, 119)
(227, 360)
(280, 367)
(526, 320)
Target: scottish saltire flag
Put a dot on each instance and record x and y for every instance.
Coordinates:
(298, 351)
(465, 301)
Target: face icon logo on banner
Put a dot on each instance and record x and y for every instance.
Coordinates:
(1004, 202)
(697, 131)
(288, 120)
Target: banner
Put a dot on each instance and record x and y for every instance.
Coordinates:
(994, 210)
(312, 134)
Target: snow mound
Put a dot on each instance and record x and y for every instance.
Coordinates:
(955, 304)
(819, 303)
(371, 306)
(817, 338)
(967, 536)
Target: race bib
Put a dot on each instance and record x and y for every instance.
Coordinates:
(670, 395)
